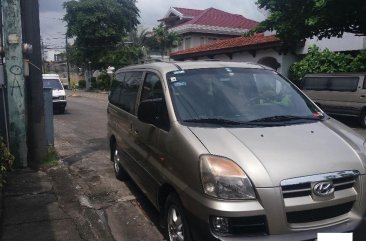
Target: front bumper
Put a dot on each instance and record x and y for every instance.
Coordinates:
(57, 104)
(275, 209)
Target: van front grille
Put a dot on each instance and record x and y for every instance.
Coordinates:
(319, 214)
(304, 189)
(255, 225)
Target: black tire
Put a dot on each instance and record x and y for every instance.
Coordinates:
(62, 110)
(178, 229)
(118, 169)
(363, 119)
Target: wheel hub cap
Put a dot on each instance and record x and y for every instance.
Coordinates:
(175, 225)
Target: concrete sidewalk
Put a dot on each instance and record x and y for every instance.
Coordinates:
(31, 210)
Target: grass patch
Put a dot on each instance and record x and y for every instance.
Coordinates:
(51, 159)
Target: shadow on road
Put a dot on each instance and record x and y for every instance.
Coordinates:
(31, 211)
(142, 201)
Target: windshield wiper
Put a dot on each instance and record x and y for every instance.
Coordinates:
(281, 118)
(214, 121)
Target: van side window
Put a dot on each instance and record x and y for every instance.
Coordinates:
(343, 83)
(152, 91)
(315, 83)
(124, 90)
(116, 88)
(364, 82)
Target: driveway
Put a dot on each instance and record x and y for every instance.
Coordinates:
(81, 141)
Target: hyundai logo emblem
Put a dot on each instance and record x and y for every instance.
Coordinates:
(323, 189)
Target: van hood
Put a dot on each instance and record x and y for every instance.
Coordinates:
(271, 154)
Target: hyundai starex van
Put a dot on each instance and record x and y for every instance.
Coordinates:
(341, 94)
(233, 151)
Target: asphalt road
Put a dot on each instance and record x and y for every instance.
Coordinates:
(119, 209)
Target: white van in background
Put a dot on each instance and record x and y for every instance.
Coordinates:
(338, 93)
(58, 92)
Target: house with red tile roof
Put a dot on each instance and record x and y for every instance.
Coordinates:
(216, 34)
(198, 27)
(260, 48)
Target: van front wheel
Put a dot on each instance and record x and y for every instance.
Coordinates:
(176, 223)
(118, 170)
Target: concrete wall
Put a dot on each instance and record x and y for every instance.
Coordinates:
(349, 42)
(284, 60)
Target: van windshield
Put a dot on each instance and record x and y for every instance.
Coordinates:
(238, 96)
(52, 83)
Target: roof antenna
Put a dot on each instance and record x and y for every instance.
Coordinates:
(178, 67)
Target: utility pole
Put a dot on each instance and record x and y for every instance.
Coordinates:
(37, 136)
(14, 70)
(67, 62)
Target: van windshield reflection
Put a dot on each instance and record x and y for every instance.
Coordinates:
(238, 96)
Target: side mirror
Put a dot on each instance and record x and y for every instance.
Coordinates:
(147, 112)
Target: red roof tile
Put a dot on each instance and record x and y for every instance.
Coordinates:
(187, 12)
(216, 17)
(225, 44)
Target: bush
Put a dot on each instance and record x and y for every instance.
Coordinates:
(104, 81)
(326, 61)
(6, 161)
(82, 84)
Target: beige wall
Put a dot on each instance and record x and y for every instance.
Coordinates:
(284, 60)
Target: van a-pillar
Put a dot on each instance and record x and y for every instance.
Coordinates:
(14, 70)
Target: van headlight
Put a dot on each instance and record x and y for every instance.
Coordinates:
(223, 178)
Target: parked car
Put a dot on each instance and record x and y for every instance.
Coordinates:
(233, 151)
(338, 94)
(58, 92)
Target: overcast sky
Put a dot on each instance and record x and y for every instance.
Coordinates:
(53, 29)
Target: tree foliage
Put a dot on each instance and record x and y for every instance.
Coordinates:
(296, 20)
(165, 39)
(98, 27)
(123, 56)
(326, 61)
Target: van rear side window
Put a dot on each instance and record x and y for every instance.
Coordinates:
(315, 83)
(331, 83)
(343, 83)
(124, 90)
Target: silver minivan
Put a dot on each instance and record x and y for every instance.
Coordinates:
(233, 151)
(338, 94)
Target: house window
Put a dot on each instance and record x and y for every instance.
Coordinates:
(187, 43)
(202, 41)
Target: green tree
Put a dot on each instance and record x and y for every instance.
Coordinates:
(139, 41)
(296, 20)
(98, 27)
(123, 56)
(166, 39)
(326, 61)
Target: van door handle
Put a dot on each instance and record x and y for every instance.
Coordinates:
(136, 132)
(130, 130)
(363, 96)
